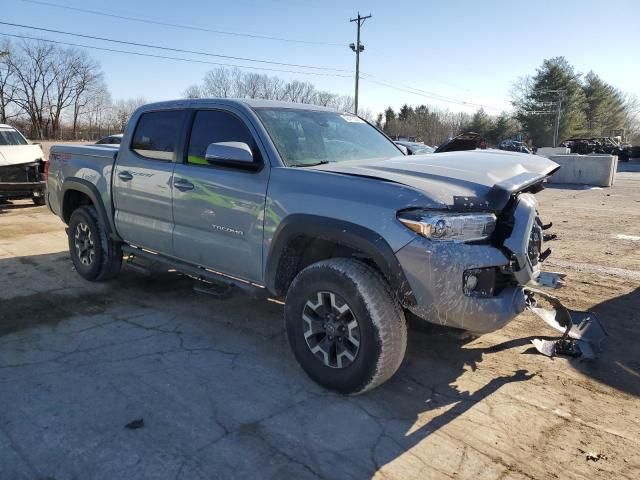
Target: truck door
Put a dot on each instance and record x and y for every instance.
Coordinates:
(142, 180)
(219, 211)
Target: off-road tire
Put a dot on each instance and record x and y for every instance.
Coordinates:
(381, 321)
(108, 254)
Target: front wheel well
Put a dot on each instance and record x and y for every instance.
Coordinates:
(304, 250)
(73, 199)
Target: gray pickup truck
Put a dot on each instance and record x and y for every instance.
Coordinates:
(315, 207)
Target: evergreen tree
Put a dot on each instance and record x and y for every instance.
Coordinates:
(555, 79)
(481, 123)
(605, 108)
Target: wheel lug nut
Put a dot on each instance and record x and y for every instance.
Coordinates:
(330, 337)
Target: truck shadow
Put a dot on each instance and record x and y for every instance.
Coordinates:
(8, 205)
(619, 362)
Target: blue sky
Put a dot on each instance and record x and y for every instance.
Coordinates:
(468, 51)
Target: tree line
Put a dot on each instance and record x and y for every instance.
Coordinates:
(48, 91)
(223, 82)
(53, 92)
(589, 107)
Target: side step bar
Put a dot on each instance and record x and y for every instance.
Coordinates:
(211, 282)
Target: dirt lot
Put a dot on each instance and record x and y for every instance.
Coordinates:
(222, 396)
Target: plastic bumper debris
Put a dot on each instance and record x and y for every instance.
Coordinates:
(582, 331)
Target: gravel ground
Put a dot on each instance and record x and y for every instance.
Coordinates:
(221, 396)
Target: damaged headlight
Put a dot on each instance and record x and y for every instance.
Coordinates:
(448, 226)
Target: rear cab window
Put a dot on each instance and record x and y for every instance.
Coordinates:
(157, 134)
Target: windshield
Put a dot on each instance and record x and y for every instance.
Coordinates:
(306, 137)
(11, 137)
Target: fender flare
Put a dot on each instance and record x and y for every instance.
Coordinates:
(343, 233)
(91, 191)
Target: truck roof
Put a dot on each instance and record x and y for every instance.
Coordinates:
(242, 102)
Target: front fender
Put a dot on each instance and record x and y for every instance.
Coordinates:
(342, 233)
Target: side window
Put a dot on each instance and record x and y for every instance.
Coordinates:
(156, 134)
(212, 126)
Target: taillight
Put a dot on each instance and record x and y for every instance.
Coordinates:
(46, 170)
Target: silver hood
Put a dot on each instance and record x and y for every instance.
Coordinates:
(464, 179)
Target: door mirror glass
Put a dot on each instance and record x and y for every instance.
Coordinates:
(231, 154)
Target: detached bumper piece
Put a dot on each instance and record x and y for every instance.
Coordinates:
(582, 332)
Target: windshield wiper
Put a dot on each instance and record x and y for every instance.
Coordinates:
(321, 162)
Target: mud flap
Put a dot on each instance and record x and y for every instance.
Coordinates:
(582, 331)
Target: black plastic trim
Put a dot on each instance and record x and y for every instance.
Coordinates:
(342, 233)
(90, 190)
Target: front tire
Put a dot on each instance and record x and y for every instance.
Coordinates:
(94, 255)
(344, 325)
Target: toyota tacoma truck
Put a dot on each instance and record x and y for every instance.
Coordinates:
(317, 208)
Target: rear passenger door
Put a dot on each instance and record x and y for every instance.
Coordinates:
(142, 180)
(219, 211)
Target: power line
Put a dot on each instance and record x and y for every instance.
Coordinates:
(179, 50)
(182, 26)
(165, 57)
(422, 93)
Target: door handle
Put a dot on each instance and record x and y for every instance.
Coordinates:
(125, 176)
(183, 185)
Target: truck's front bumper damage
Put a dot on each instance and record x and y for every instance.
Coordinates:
(481, 287)
(436, 273)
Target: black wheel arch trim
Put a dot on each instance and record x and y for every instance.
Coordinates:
(343, 233)
(91, 191)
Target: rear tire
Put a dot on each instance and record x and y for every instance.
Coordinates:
(38, 201)
(344, 325)
(94, 255)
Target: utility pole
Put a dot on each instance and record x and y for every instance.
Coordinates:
(556, 129)
(358, 47)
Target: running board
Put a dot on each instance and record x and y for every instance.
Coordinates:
(582, 331)
(209, 281)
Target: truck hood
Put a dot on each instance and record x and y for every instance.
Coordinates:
(18, 154)
(477, 179)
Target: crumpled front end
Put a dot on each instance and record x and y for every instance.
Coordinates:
(22, 180)
(480, 287)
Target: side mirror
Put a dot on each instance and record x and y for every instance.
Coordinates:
(231, 154)
(403, 149)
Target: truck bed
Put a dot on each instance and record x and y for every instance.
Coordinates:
(91, 164)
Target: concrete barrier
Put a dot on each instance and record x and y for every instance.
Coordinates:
(548, 151)
(596, 170)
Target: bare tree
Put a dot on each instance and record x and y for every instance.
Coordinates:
(7, 87)
(122, 110)
(32, 64)
(193, 91)
(87, 84)
(225, 83)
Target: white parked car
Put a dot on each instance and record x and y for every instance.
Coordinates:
(22, 167)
